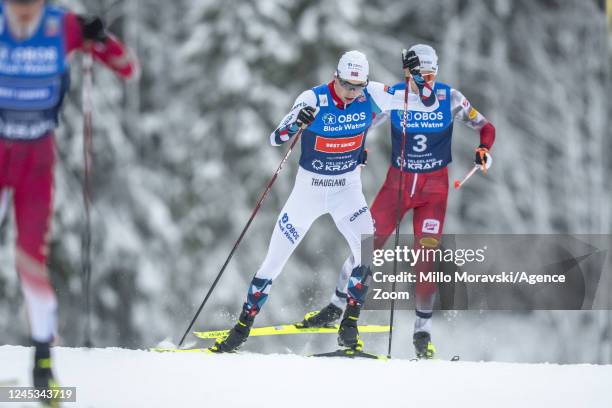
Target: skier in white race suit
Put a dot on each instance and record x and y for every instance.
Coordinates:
(336, 117)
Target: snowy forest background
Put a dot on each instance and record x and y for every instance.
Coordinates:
(182, 155)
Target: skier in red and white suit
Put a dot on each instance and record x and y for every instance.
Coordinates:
(425, 183)
(35, 42)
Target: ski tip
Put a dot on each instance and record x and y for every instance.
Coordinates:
(457, 184)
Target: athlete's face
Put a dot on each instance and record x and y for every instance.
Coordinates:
(24, 11)
(348, 91)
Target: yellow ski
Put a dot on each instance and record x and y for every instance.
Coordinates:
(290, 329)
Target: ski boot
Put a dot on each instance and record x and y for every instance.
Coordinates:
(236, 336)
(423, 347)
(43, 379)
(321, 318)
(348, 334)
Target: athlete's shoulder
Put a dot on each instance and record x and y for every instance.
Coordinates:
(377, 88)
(321, 88)
(306, 98)
(458, 99)
(322, 96)
(455, 91)
(443, 91)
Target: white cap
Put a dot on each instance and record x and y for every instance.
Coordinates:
(427, 57)
(353, 66)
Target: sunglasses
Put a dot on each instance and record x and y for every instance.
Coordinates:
(352, 87)
(429, 77)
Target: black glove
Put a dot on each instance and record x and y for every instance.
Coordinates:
(306, 116)
(410, 61)
(93, 28)
(481, 155)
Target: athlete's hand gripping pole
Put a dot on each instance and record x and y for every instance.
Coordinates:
(412, 68)
(484, 167)
(246, 227)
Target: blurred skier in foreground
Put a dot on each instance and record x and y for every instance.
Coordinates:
(35, 42)
(336, 117)
(425, 190)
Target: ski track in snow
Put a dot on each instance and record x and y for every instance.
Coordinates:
(115, 377)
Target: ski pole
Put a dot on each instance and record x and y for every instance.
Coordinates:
(399, 200)
(459, 183)
(4, 203)
(87, 145)
(244, 230)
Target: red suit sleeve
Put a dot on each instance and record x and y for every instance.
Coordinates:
(487, 135)
(111, 53)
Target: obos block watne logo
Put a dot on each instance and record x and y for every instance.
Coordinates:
(400, 115)
(329, 119)
(288, 229)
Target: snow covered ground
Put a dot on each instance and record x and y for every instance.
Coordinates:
(115, 377)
